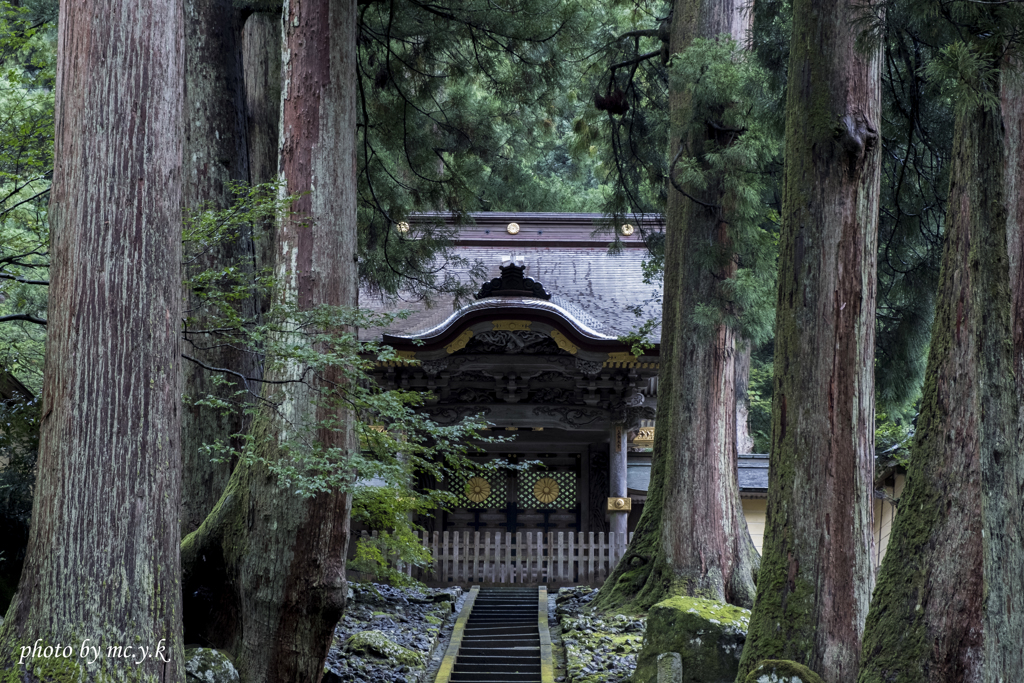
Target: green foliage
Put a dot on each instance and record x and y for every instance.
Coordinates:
(893, 436)
(628, 147)
(731, 102)
(967, 75)
(463, 107)
(379, 555)
(730, 106)
(769, 41)
(27, 57)
(759, 395)
(640, 337)
(316, 353)
(938, 57)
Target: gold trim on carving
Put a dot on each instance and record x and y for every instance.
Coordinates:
(624, 359)
(459, 342)
(563, 342)
(620, 504)
(644, 436)
(478, 489)
(546, 490)
(512, 325)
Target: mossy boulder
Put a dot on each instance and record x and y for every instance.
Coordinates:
(209, 666)
(377, 644)
(708, 636)
(781, 671)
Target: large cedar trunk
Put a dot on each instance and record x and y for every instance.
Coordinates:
(215, 153)
(284, 556)
(816, 575)
(102, 557)
(744, 442)
(927, 616)
(261, 60)
(692, 538)
(1003, 523)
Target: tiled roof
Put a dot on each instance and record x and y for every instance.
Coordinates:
(751, 470)
(564, 254)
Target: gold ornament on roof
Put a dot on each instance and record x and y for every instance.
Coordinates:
(477, 489)
(626, 229)
(402, 227)
(545, 490)
(512, 229)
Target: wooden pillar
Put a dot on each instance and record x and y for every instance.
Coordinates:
(618, 518)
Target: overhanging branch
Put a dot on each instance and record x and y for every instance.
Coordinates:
(22, 316)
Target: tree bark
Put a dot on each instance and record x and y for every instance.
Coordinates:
(215, 154)
(692, 538)
(1003, 523)
(816, 574)
(261, 58)
(928, 619)
(744, 442)
(285, 555)
(102, 560)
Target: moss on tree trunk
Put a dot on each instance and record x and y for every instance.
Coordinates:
(102, 558)
(1003, 478)
(275, 561)
(928, 618)
(692, 537)
(215, 154)
(816, 574)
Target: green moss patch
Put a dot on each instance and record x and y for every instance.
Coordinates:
(376, 644)
(600, 649)
(58, 670)
(708, 635)
(781, 671)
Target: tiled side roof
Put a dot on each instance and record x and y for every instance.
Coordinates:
(751, 470)
(562, 253)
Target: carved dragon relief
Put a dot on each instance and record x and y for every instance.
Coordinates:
(574, 417)
(432, 367)
(512, 342)
(476, 376)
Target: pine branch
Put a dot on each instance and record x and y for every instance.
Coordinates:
(7, 276)
(672, 179)
(245, 380)
(22, 316)
(636, 60)
(643, 33)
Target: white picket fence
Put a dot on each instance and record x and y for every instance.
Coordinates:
(525, 557)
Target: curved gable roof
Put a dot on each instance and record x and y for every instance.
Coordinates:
(591, 288)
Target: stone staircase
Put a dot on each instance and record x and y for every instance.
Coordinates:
(503, 640)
